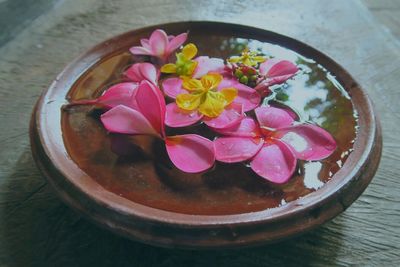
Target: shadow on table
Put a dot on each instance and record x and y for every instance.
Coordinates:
(36, 229)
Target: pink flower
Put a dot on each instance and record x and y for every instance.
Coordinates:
(143, 71)
(246, 100)
(273, 143)
(190, 152)
(159, 45)
(275, 71)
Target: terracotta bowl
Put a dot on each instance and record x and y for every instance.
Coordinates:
(150, 201)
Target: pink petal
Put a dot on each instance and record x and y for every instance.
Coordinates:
(231, 116)
(145, 43)
(279, 79)
(273, 118)
(291, 112)
(267, 65)
(226, 72)
(277, 71)
(176, 117)
(236, 149)
(274, 162)
(143, 71)
(247, 96)
(206, 64)
(138, 50)
(173, 87)
(263, 88)
(118, 94)
(176, 42)
(281, 68)
(149, 72)
(246, 128)
(122, 119)
(151, 104)
(133, 73)
(308, 142)
(158, 42)
(190, 152)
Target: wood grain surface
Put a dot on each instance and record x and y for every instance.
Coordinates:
(36, 229)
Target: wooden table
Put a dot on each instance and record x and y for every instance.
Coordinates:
(37, 229)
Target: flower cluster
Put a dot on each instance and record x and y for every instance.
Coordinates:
(226, 97)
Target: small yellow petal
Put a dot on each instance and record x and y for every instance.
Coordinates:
(229, 94)
(259, 59)
(189, 51)
(213, 104)
(211, 80)
(234, 59)
(188, 101)
(191, 84)
(191, 67)
(168, 68)
(247, 62)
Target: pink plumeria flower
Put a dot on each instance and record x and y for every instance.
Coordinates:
(272, 143)
(275, 71)
(143, 71)
(159, 45)
(246, 100)
(190, 152)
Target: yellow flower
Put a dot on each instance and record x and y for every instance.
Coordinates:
(248, 58)
(184, 65)
(204, 96)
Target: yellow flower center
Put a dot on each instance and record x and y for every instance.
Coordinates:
(184, 65)
(204, 96)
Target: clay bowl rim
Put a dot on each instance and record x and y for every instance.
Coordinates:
(48, 116)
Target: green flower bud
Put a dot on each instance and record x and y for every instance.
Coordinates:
(253, 78)
(244, 79)
(251, 71)
(238, 73)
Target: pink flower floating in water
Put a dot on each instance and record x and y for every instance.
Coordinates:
(145, 115)
(272, 143)
(159, 45)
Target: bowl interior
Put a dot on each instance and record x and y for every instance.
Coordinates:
(138, 170)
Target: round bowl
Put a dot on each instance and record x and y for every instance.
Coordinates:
(171, 228)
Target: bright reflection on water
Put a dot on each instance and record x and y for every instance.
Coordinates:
(311, 171)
